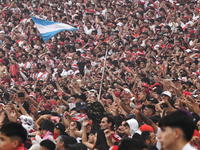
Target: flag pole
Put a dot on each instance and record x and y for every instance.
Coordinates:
(104, 65)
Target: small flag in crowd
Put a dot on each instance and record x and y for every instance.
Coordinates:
(48, 29)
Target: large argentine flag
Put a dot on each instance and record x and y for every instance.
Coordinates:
(48, 29)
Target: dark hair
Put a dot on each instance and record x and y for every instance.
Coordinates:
(20, 94)
(78, 125)
(152, 108)
(64, 138)
(50, 145)
(78, 146)
(38, 90)
(179, 119)
(145, 136)
(30, 56)
(14, 59)
(101, 147)
(43, 66)
(110, 120)
(73, 147)
(68, 140)
(101, 139)
(15, 131)
(48, 54)
(131, 144)
(53, 84)
(2, 52)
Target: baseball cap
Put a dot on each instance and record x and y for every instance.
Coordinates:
(80, 106)
(146, 127)
(60, 127)
(197, 9)
(151, 5)
(186, 93)
(167, 93)
(145, 85)
(127, 90)
(47, 105)
(156, 84)
(47, 125)
(154, 100)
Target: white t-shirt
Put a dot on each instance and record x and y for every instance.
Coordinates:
(188, 147)
(158, 144)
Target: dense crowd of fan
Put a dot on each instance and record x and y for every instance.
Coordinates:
(52, 88)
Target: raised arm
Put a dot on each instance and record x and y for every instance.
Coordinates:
(84, 134)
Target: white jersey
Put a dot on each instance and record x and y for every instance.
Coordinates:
(75, 72)
(33, 75)
(27, 65)
(42, 75)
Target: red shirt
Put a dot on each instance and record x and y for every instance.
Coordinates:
(14, 70)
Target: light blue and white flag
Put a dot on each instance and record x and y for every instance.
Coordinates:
(48, 29)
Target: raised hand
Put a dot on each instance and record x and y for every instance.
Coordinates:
(134, 111)
(108, 133)
(47, 117)
(72, 125)
(138, 104)
(158, 108)
(85, 122)
(1, 107)
(32, 108)
(195, 139)
(2, 117)
(13, 113)
(68, 115)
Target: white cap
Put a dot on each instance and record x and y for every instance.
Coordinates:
(127, 90)
(167, 93)
(151, 5)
